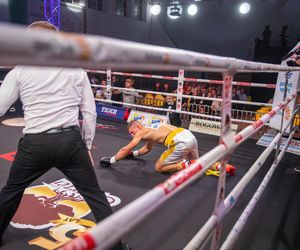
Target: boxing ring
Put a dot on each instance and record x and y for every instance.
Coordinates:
(101, 53)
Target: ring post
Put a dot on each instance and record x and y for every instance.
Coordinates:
(108, 83)
(226, 138)
(179, 90)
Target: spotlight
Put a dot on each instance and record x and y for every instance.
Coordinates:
(155, 9)
(244, 8)
(192, 9)
(174, 10)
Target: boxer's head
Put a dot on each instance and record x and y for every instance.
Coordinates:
(42, 25)
(134, 127)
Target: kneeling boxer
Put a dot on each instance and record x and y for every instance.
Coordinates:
(181, 145)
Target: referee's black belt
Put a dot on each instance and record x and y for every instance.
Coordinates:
(60, 130)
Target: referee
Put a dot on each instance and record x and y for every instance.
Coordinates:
(51, 98)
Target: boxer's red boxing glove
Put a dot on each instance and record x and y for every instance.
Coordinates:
(229, 168)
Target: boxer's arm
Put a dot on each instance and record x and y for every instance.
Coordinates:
(145, 149)
(123, 152)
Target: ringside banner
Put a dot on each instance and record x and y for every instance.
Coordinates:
(208, 127)
(294, 146)
(109, 111)
(147, 119)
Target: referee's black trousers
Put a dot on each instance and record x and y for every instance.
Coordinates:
(37, 153)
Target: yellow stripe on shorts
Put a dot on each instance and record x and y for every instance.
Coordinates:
(169, 142)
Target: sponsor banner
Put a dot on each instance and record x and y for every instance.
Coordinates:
(147, 119)
(292, 85)
(109, 111)
(294, 146)
(209, 127)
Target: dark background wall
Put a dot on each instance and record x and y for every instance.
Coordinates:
(219, 28)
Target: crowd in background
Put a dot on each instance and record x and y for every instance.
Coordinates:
(191, 104)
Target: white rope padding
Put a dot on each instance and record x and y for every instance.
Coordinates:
(246, 84)
(186, 79)
(111, 229)
(198, 240)
(46, 48)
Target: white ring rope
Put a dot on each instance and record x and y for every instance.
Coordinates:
(238, 227)
(185, 96)
(111, 229)
(46, 48)
(186, 79)
(198, 240)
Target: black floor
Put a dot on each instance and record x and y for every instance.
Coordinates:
(274, 224)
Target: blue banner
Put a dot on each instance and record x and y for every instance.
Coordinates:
(109, 111)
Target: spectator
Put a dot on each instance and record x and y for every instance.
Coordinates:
(101, 93)
(194, 103)
(166, 88)
(185, 101)
(266, 35)
(242, 95)
(284, 36)
(174, 117)
(157, 87)
(214, 93)
(199, 88)
(94, 80)
(216, 106)
(207, 103)
(201, 110)
(203, 94)
(116, 93)
(129, 96)
(235, 97)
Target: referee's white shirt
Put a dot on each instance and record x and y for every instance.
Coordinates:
(52, 98)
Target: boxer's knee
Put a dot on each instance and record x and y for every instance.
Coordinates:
(159, 166)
